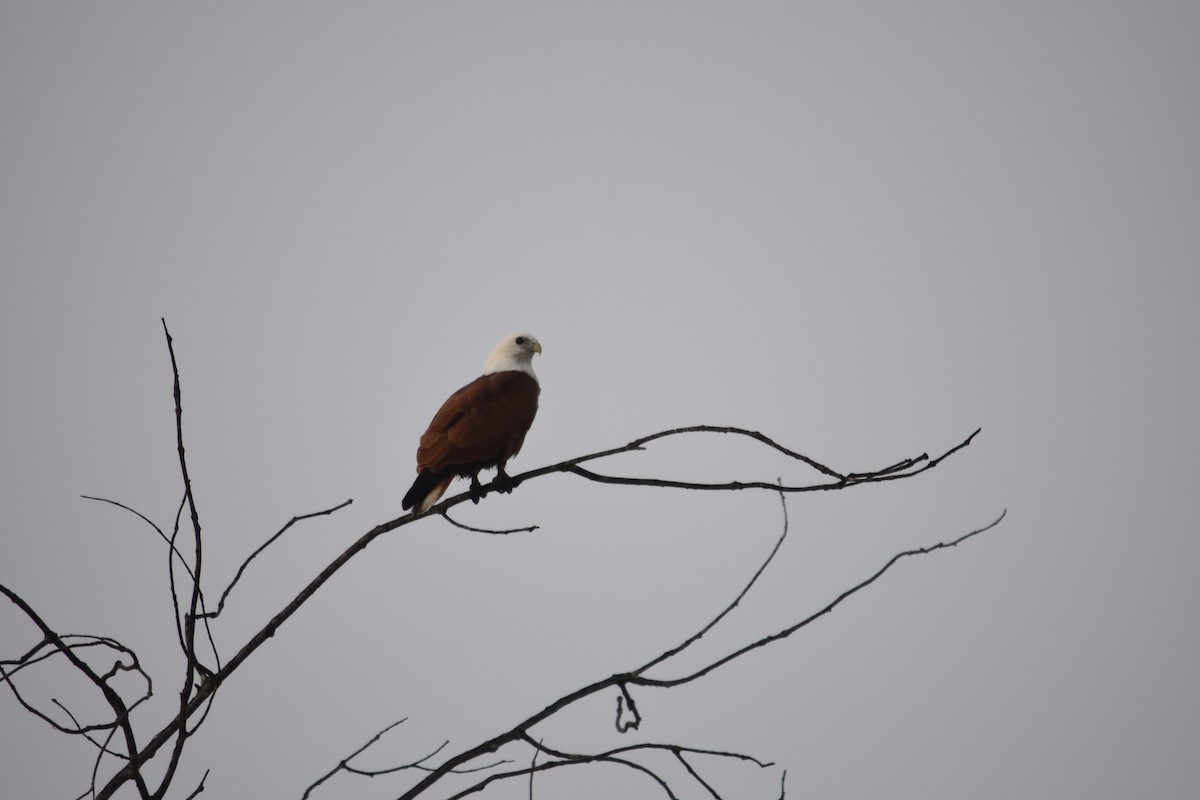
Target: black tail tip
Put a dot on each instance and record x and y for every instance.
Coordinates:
(421, 487)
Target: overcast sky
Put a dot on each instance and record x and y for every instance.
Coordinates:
(864, 229)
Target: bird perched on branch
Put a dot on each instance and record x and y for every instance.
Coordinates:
(481, 426)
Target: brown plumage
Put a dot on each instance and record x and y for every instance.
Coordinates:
(481, 426)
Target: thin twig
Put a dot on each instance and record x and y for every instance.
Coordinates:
(786, 632)
(636, 677)
(192, 664)
(625, 701)
(86, 730)
(265, 545)
(199, 788)
(115, 701)
(696, 775)
(345, 761)
(737, 600)
(533, 767)
(905, 468)
(565, 759)
(505, 532)
(195, 696)
(174, 554)
(146, 520)
(47, 649)
(605, 759)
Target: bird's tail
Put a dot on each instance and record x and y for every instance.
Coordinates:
(426, 490)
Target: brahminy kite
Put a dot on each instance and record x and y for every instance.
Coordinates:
(481, 426)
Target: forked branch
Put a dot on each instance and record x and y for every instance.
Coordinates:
(627, 716)
(200, 682)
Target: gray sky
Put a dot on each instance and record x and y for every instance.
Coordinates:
(863, 229)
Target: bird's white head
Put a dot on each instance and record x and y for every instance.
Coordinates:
(515, 352)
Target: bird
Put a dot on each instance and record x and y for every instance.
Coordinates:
(481, 426)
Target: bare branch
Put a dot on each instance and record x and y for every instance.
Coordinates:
(265, 545)
(199, 788)
(636, 677)
(520, 731)
(201, 683)
(345, 762)
(614, 756)
(86, 731)
(696, 775)
(174, 554)
(115, 701)
(46, 650)
(906, 468)
(146, 520)
(533, 766)
(737, 600)
(786, 632)
(625, 702)
(674, 749)
(566, 761)
(99, 758)
(457, 524)
(210, 684)
(193, 664)
(740, 432)
(179, 627)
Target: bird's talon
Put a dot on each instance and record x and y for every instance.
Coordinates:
(504, 483)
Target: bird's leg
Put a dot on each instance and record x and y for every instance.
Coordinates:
(505, 483)
(476, 490)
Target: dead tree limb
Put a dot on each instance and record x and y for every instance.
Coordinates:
(200, 681)
(521, 732)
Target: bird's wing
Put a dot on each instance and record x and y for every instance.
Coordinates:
(483, 423)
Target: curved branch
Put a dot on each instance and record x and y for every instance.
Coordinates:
(614, 756)
(344, 764)
(906, 468)
(115, 701)
(568, 762)
(639, 679)
(195, 695)
(741, 595)
(195, 604)
(636, 677)
(209, 684)
(237, 577)
(491, 531)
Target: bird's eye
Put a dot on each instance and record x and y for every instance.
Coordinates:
(520, 340)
